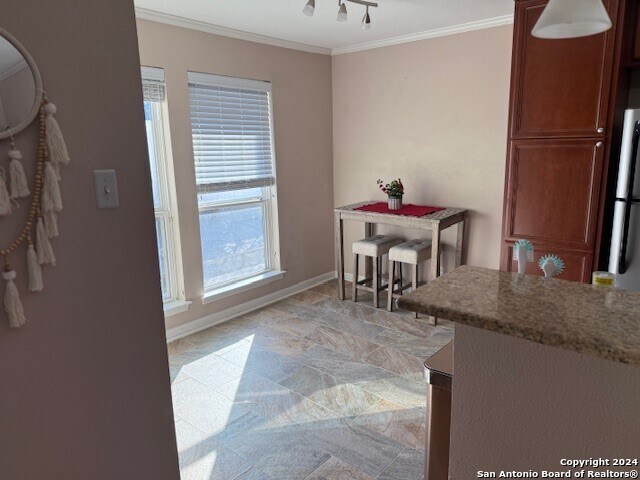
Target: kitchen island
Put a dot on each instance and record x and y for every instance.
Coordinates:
(546, 371)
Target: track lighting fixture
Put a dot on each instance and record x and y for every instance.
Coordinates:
(310, 7)
(366, 21)
(342, 11)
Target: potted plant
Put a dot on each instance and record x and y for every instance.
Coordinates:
(394, 190)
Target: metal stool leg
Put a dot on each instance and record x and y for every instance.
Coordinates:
(414, 281)
(354, 283)
(391, 284)
(376, 285)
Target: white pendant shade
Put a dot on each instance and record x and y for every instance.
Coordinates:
(309, 8)
(572, 19)
(342, 13)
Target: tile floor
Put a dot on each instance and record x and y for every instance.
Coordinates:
(307, 388)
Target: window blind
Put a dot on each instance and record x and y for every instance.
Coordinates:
(153, 88)
(231, 129)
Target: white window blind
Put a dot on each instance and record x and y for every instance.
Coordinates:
(153, 88)
(231, 128)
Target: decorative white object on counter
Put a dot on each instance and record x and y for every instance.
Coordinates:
(523, 253)
(551, 265)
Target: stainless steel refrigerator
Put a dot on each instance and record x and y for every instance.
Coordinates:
(624, 256)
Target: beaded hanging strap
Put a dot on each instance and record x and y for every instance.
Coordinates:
(41, 222)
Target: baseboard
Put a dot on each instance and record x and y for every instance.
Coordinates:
(219, 317)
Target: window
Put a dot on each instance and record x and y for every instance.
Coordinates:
(235, 178)
(162, 183)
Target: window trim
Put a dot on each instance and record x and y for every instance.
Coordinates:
(270, 199)
(168, 211)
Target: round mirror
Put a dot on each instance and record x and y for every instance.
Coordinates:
(20, 87)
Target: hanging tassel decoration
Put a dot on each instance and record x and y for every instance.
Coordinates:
(50, 219)
(43, 245)
(12, 303)
(34, 269)
(5, 198)
(51, 198)
(17, 179)
(55, 141)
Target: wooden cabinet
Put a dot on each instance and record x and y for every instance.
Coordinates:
(552, 191)
(559, 87)
(558, 136)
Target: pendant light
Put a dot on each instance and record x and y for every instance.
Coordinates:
(366, 21)
(342, 11)
(309, 8)
(572, 19)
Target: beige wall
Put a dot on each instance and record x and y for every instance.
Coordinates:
(515, 409)
(85, 390)
(301, 85)
(433, 113)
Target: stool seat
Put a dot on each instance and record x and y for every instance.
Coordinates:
(375, 246)
(413, 252)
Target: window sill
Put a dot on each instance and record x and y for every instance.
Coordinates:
(176, 307)
(242, 286)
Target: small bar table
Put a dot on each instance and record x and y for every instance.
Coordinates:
(434, 222)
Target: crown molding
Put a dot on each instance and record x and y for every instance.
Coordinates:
(437, 32)
(154, 16)
(177, 21)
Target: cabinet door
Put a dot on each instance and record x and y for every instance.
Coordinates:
(552, 191)
(577, 265)
(559, 87)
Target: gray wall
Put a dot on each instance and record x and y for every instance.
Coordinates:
(85, 390)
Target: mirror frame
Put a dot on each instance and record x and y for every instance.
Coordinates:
(33, 113)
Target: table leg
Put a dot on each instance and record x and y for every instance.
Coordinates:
(368, 261)
(435, 261)
(339, 240)
(460, 243)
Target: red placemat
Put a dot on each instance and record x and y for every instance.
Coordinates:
(408, 209)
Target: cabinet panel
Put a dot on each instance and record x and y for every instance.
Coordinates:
(559, 87)
(552, 191)
(577, 264)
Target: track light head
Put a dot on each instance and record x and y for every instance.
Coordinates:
(309, 8)
(342, 12)
(366, 21)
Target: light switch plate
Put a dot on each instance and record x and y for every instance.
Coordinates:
(106, 189)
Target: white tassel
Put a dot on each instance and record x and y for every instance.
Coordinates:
(35, 270)
(43, 245)
(50, 223)
(51, 198)
(12, 303)
(5, 199)
(55, 141)
(18, 180)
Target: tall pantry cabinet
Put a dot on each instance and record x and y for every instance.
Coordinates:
(557, 143)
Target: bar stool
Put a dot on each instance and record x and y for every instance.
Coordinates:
(413, 252)
(375, 246)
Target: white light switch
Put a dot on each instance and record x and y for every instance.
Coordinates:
(106, 189)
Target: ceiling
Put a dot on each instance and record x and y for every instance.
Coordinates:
(283, 19)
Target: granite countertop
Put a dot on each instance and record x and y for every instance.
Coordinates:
(603, 322)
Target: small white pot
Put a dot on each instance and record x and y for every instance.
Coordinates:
(395, 203)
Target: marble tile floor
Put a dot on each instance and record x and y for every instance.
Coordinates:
(307, 388)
